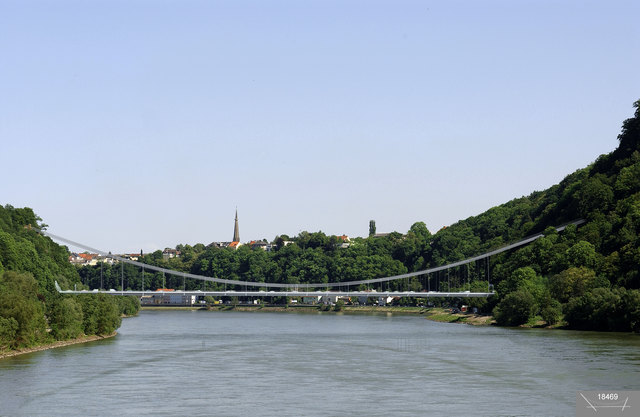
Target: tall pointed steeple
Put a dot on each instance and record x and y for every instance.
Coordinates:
(236, 230)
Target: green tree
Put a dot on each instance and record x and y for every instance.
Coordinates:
(574, 282)
(630, 136)
(89, 314)
(551, 311)
(595, 195)
(517, 279)
(19, 301)
(628, 181)
(515, 309)
(8, 330)
(100, 313)
(65, 319)
(593, 310)
(128, 305)
(582, 254)
(108, 315)
(630, 310)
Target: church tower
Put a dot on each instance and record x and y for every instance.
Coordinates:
(236, 230)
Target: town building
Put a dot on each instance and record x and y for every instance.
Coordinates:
(259, 244)
(169, 253)
(89, 259)
(345, 241)
(168, 297)
(234, 245)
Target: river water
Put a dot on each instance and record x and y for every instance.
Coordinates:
(279, 364)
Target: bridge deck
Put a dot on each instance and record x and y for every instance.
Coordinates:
(429, 294)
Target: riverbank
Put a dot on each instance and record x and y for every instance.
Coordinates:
(294, 308)
(60, 343)
(434, 314)
(444, 316)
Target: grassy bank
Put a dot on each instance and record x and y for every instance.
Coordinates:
(444, 316)
(53, 345)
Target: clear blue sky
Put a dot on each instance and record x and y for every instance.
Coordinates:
(141, 124)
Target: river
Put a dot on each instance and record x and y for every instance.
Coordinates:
(203, 363)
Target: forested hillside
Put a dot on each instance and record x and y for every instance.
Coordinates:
(588, 276)
(32, 312)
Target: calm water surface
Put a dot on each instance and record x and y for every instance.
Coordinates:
(273, 364)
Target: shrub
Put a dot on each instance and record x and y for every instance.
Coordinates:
(515, 309)
(551, 312)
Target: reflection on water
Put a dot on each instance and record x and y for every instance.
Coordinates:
(238, 364)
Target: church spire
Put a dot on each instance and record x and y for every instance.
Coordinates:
(236, 230)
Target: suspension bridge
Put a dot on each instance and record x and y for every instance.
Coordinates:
(328, 289)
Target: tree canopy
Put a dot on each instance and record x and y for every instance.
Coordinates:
(32, 312)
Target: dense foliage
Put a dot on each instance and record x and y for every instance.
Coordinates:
(32, 312)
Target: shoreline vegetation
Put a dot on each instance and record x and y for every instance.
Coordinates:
(6, 353)
(442, 315)
(439, 314)
(56, 344)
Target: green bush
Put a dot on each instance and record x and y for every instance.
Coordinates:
(65, 319)
(101, 314)
(108, 315)
(128, 305)
(19, 301)
(614, 309)
(551, 312)
(515, 309)
(8, 330)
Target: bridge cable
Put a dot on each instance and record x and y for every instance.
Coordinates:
(309, 285)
